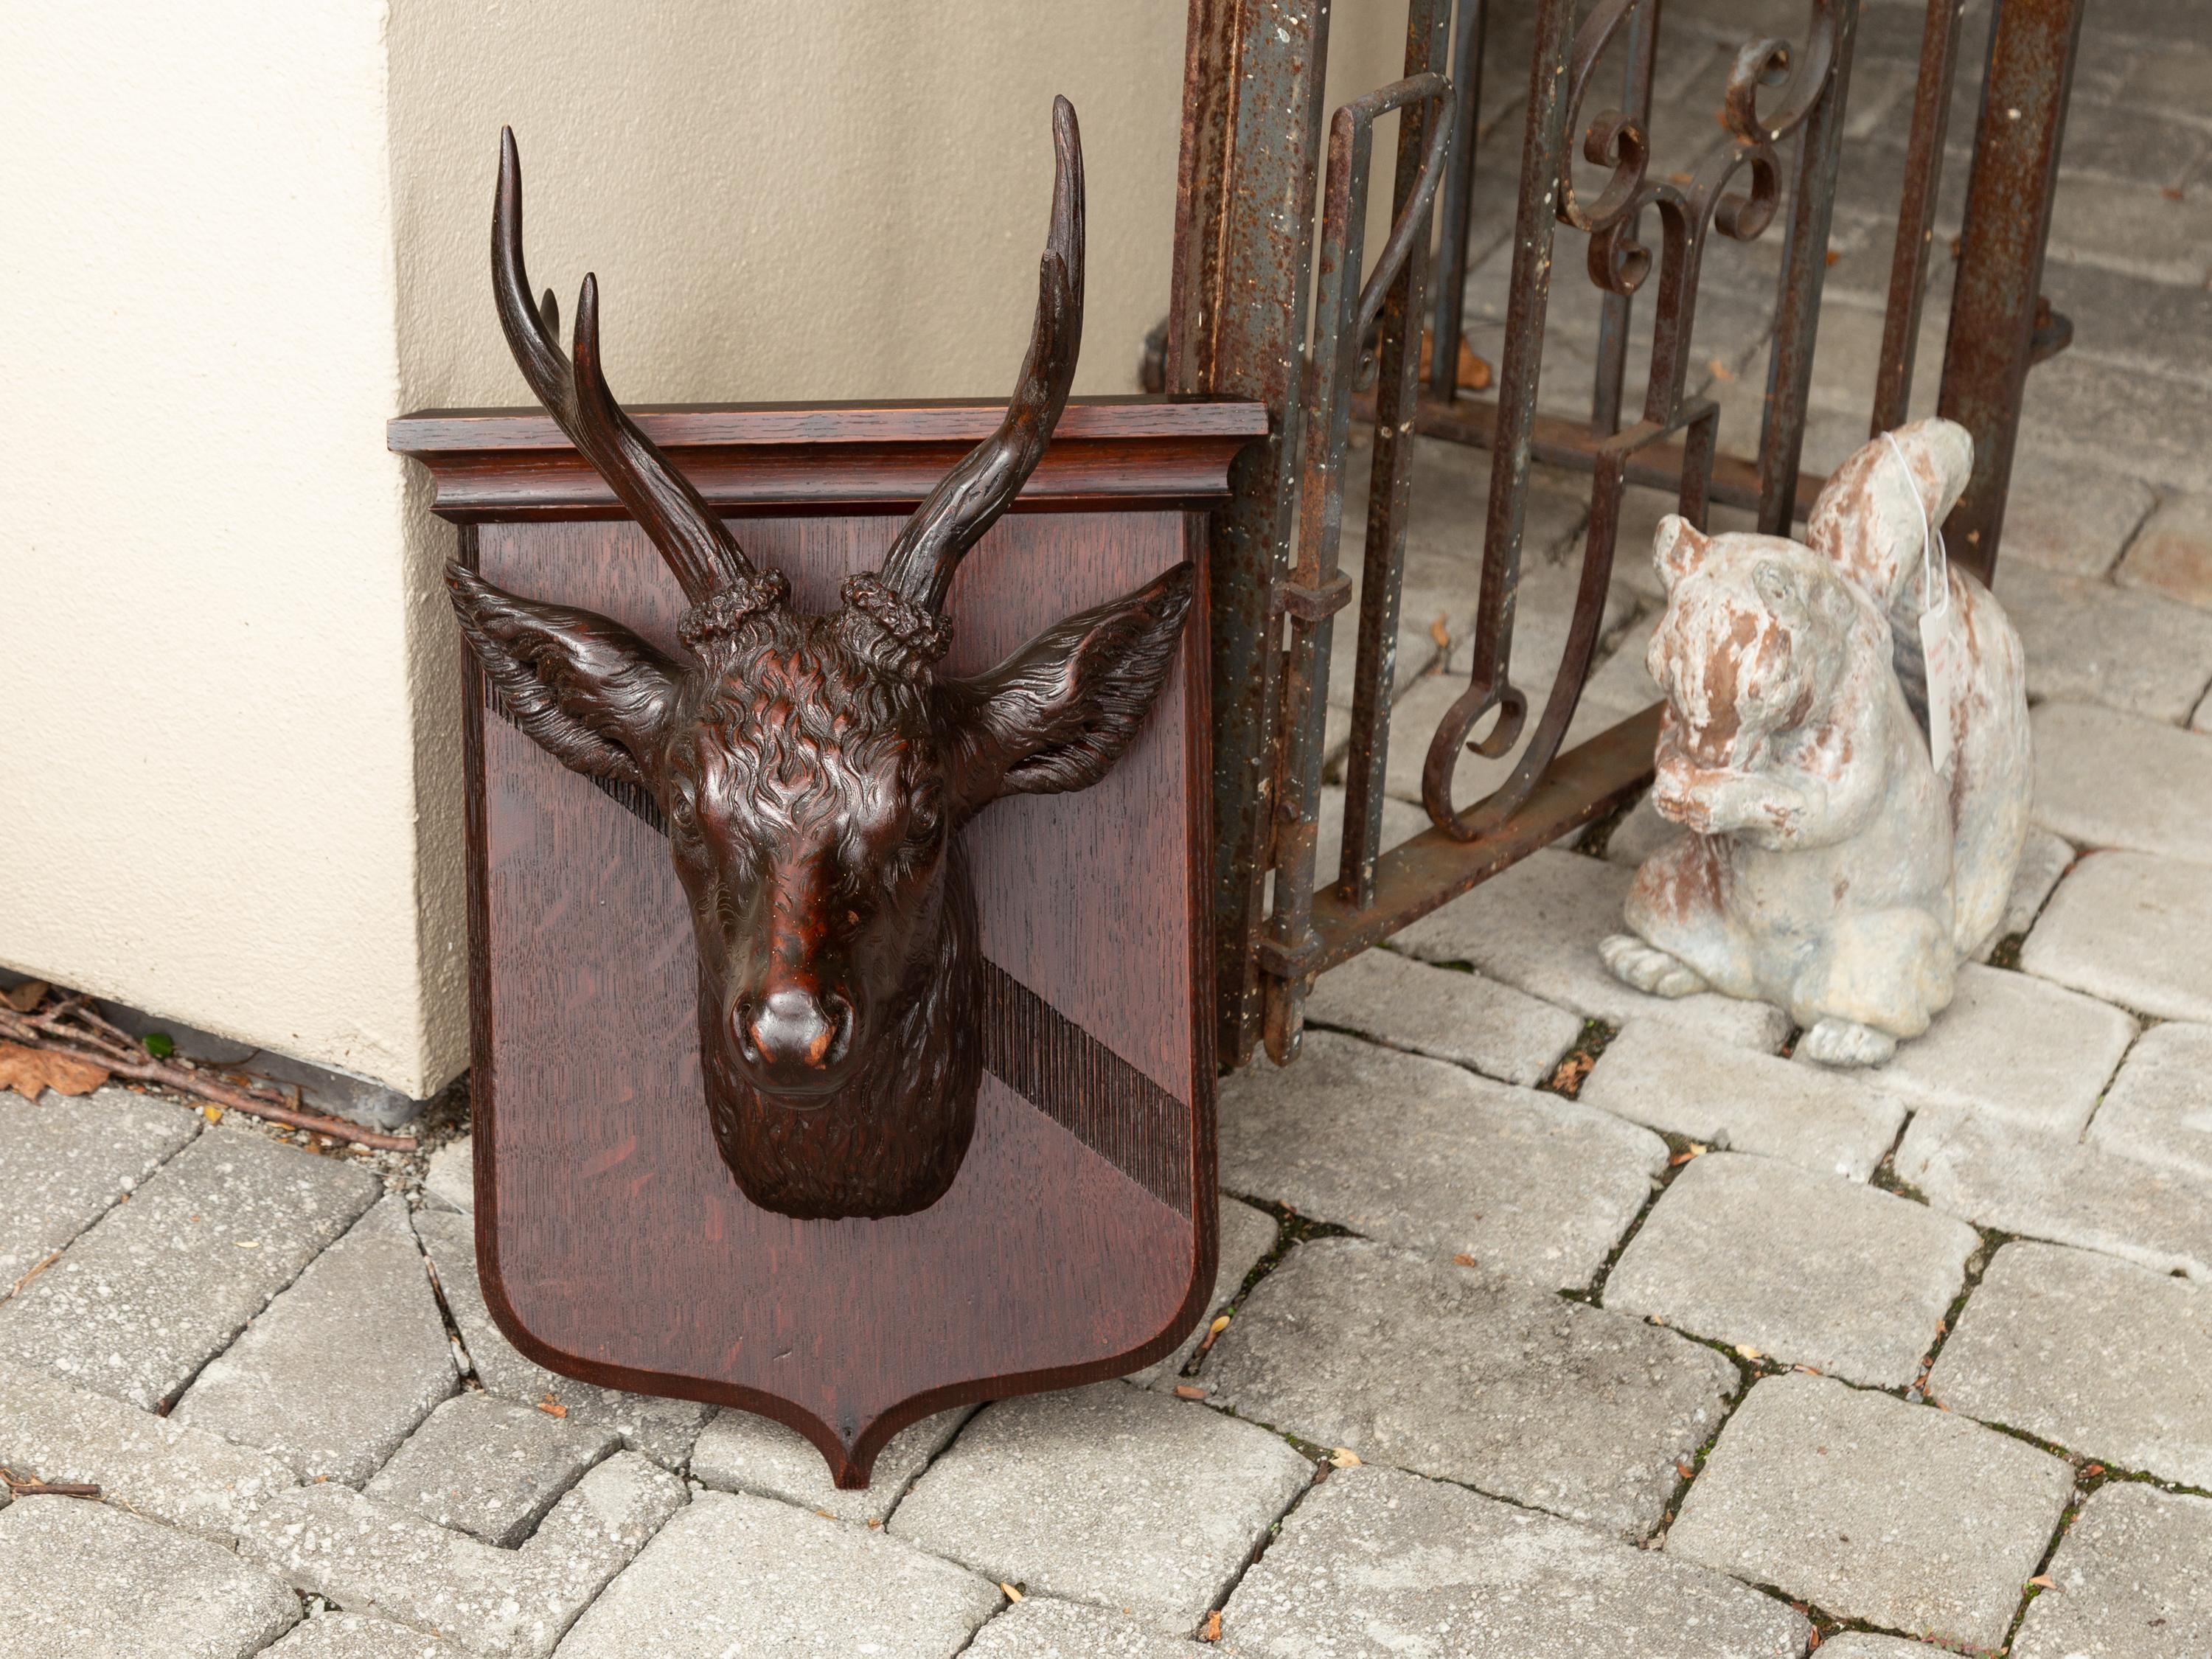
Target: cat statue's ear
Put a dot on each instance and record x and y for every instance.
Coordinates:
(1679, 548)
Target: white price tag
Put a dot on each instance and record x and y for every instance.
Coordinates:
(1942, 641)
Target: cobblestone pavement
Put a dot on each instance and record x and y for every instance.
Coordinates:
(1565, 1322)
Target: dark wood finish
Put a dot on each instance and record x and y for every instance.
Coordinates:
(1107, 453)
(806, 768)
(615, 1246)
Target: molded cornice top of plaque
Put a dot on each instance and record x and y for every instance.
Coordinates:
(779, 459)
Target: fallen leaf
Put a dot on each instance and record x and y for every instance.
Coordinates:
(1009, 1592)
(1218, 1326)
(1344, 1458)
(31, 1072)
(1812, 1637)
(212, 1114)
(1722, 372)
(1463, 1260)
(25, 997)
(160, 1044)
(1679, 1159)
(1439, 633)
(2092, 1470)
(1749, 1352)
(2171, 192)
(552, 1407)
(1210, 1630)
(1685, 1470)
(1189, 1391)
(1832, 257)
(2043, 1581)
(875, 1526)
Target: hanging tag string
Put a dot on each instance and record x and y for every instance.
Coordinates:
(1935, 557)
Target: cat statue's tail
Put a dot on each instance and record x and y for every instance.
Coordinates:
(1874, 519)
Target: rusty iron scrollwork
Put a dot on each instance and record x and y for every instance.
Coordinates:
(1735, 192)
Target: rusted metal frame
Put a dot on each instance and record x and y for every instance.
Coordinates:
(1619, 264)
(1317, 590)
(1993, 336)
(1915, 215)
(1448, 315)
(1569, 444)
(1825, 78)
(1251, 146)
(1614, 309)
(1432, 869)
(1421, 130)
(1543, 161)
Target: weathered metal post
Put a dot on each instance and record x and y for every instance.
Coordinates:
(1996, 335)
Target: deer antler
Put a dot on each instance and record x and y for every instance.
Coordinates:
(704, 556)
(919, 567)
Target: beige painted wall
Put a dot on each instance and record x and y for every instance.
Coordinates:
(228, 766)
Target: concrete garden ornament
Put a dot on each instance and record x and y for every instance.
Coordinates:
(1845, 738)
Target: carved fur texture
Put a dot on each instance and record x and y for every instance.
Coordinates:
(1828, 865)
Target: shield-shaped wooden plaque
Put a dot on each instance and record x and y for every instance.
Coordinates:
(1078, 1242)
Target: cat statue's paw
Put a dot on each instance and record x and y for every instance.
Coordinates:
(1648, 968)
(1846, 1042)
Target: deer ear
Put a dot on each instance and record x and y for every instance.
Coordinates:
(585, 688)
(1060, 712)
(1678, 548)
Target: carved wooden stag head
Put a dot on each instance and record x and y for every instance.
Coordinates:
(813, 771)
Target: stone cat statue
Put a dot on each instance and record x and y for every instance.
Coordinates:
(1838, 862)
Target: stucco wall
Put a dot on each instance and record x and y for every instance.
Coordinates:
(229, 767)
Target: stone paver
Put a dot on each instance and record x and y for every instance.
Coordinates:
(2159, 1108)
(359, 1333)
(740, 1452)
(1438, 1159)
(2072, 520)
(736, 1574)
(85, 1581)
(1640, 833)
(2172, 555)
(2131, 1580)
(369, 1557)
(1468, 1018)
(358, 1635)
(2043, 858)
(1247, 1235)
(2105, 778)
(1811, 1269)
(1858, 1643)
(1449, 1371)
(63, 1163)
(449, 1182)
(161, 1284)
(2051, 1187)
(2089, 642)
(664, 1429)
(2131, 929)
(1672, 1079)
(2013, 1047)
(1537, 925)
(1040, 1627)
(152, 1466)
(1381, 1565)
(490, 1467)
(1111, 1494)
(2104, 1359)
(1905, 1517)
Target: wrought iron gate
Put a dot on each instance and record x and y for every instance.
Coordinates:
(1246, 260)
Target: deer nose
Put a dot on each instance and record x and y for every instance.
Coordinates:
(791, 1033)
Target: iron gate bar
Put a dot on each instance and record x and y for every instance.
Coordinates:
(1251, 150)
(1826, 76)
(1915, 216)
(1993, 337)
(1448, 315)
(1342, 310)
(1613, 308)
